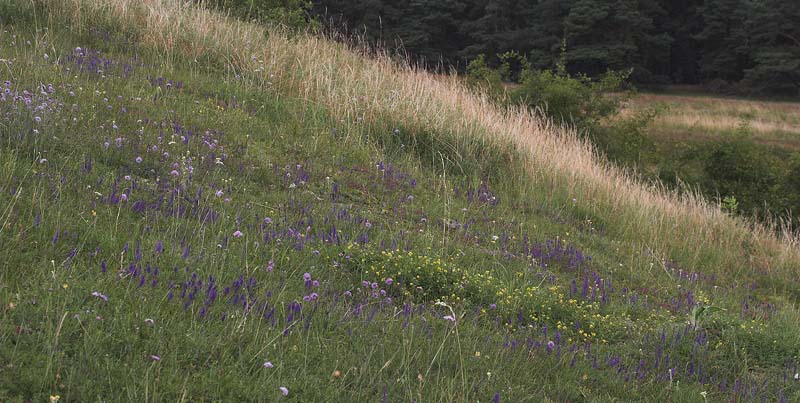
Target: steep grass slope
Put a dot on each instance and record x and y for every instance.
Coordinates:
(459, 123)
(198, 209)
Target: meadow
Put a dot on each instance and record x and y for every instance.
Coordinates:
(702, 117)
(725, 147)
(194, 208)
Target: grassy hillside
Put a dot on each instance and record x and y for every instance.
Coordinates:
(198, 209)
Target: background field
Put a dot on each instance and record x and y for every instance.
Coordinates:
(725, 147)
(696, 117)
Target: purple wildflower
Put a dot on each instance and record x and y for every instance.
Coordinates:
(268, 364)
(100, 295)
(238, 234)
(389, 281)
(284, 390)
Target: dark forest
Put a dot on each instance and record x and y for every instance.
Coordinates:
(736, 46)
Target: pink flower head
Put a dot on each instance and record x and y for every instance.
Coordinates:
(238, 234)
(268, 364)
(155, 357)
(284, 390)
(100, 295)
(389, 281)
(451, 318)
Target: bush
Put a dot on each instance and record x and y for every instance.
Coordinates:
(484, 79)
(577, 100)
(512, 65)
(592, 106)
(748, 172)
(791, 188)
(624, 140)
(290, 13)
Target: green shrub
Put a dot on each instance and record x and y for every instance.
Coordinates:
(576, 100)
(512, 65)
(484, 78)
(290, 13)
(747, 171)
(625, 140)
(16, 12)
(592, 106)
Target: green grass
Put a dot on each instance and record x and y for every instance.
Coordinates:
(346, 203)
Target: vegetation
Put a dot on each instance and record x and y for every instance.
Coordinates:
(196, 208)
(293, 14)
(716, 152)
(728, 148)
(729, 45)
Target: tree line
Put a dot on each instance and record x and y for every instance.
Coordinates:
(745, 46)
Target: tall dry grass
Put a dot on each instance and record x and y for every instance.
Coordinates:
(354, 87)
